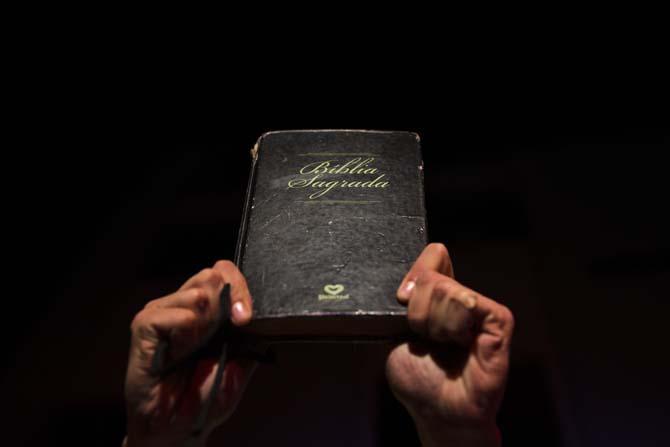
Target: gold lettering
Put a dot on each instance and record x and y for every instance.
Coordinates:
(355, 166)
(327, 187)
(299, 182)
(316, 168)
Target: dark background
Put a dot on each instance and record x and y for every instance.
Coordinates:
(559, 212)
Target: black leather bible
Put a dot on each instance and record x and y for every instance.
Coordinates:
(332, 222)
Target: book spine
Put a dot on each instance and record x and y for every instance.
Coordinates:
(422, 193)
(242, 234)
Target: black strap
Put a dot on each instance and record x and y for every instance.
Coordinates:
(198, 427)
(231, 345)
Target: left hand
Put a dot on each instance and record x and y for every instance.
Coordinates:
(161, 410)
(452, 383)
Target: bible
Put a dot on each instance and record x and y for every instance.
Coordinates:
(333, 220)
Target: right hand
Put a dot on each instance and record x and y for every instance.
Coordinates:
(452, 382)
(161, 411)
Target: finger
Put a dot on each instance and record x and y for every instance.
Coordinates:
(435, 257)
(211, 282)
(184, 329)
(213, 279)
(199, 300)
(203, 300)
(419, 305)
(496, 326)
(207, 278)
(240, 298)
(452, 313)
(460, 314)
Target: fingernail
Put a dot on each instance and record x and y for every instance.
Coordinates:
(238, 311)
(406, 289)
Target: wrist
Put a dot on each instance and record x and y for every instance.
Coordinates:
(160, 442)
(435, 432)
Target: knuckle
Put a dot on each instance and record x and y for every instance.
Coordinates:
(440, 293)
(210, 276)
(206, 273)
(439, 248)
(445, 258)
(139, 322)
(225, 265)
(507, 318)
(420, 276)
(197, 294)
(153, 303)
(203, 272)
(200, 299)
(424, 277)
(443, 286)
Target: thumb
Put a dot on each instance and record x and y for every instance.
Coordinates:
(434, 257)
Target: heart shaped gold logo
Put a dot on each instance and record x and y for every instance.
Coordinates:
(333, 289)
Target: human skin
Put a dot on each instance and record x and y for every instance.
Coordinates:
(161, 411)
(451, 381)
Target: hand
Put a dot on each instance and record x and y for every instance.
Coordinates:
(453, 382)
(161, 411)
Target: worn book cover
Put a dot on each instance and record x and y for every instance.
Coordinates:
(332, 222)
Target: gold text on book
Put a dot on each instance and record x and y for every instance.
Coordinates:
(321, 176)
